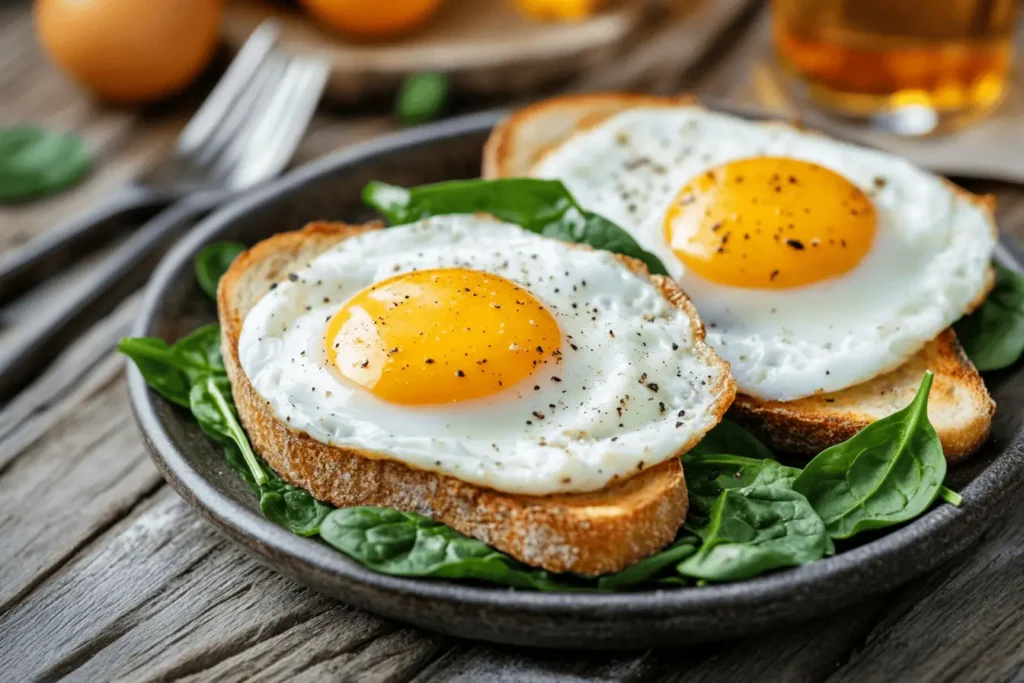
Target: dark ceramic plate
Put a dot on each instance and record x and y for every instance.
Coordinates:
(330, 189)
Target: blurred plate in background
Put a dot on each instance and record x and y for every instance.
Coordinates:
(487, 46)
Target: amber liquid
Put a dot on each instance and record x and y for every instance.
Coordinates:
(867, 58)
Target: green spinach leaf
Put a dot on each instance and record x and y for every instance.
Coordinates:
(648, 568)
(951, 497)
(172, 370)
(888, 473)
(408, 544)
(292, 507)
(212, 262)
(729, 437)
(36, 162)
(211, 404)
(993, 335)
(421, 98)
(541, 206)
(754, 530)
(233, 456)
(707, 475)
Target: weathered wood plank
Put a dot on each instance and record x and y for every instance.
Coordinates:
(64, 385)
(164, 596)
(807, 652)
(470, 662)
(60, 492)
(964, 622)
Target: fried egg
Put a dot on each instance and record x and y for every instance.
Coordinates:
(816, 265)
(474, 348)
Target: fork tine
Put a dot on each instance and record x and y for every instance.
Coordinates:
(250, 102)
(276, 133)
(274, 80)
(236, 78)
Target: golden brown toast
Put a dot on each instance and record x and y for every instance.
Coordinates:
(586, 533)
(959, 406)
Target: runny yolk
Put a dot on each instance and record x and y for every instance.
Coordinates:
(770, 223)
(441, 336)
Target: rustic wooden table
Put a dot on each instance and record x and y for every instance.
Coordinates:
(106, 574)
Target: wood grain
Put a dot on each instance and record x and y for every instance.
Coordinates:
(94, 459)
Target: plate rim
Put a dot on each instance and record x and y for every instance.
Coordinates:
(985, 498)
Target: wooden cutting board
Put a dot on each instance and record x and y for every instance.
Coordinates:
(486, 46)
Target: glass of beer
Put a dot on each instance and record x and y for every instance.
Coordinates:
(913, 67)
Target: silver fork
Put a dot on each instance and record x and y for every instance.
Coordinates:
(244, 133)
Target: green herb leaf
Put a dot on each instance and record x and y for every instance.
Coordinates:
(421, 98)
(707, 475)
(172, 370)
(234, 458)
(888, 473)
(756, 529)
(36, 162)
(408, 544)
(212, 262)
(648, 568)
(292, 507)
(541, 206)
(729, 437)
(993, 336)
(951, 497)
(210, 402)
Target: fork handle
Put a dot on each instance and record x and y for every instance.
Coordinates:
(56, 249)
(121, 272)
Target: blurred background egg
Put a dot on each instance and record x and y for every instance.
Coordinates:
(126, 50)
(372, 18)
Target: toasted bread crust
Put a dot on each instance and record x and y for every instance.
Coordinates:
(585, 533)
(960, 407)
(516, 145)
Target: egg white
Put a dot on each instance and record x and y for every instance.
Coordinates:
(928, 263)
(638, 388)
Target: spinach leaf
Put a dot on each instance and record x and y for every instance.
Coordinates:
(541, 206)
(211, 405)
(212, 262)
(421, 98)
(729, 437)
(993, 335)
(408, 544)
(756, 529)
(172, 370)
(36, 162)
(708, 475)
(201, 350)
(951, 497)
(292, 507)
(233, 456)
(888, 473)
(648, 568)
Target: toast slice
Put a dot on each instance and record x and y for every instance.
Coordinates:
(585, 533)
(959, 406)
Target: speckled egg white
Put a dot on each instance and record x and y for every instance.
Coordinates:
(861, 315)
(628, 386)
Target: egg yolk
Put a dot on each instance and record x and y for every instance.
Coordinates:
(770, 223)
(441, 336)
